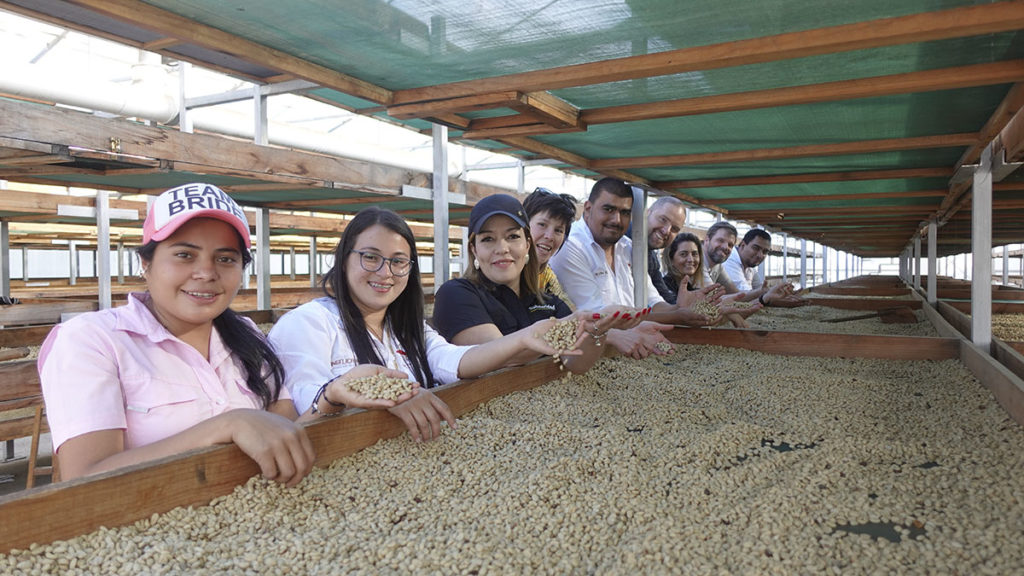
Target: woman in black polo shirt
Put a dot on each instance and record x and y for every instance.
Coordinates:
(499, 292)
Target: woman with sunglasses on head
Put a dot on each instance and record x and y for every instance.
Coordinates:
(371, 320)
(550, 216)
(176, 368)
(499, 291)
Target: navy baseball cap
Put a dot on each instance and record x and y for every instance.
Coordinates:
(493, 205)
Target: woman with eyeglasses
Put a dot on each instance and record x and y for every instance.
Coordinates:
(371, 319)
(499, 292)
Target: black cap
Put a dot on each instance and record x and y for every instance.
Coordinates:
(496, 204)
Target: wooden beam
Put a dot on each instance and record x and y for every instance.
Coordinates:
(858, 175)
(551, 110)
(161, 44)
(305, 203)
(910, 82)
(1012, 139)
(192, 32)
(36, 160)
(937, 193)
(832, 212)
(789, 152)
(209, 154)
(956, 198)
(472, 103)
(517, 131)
(914, 28)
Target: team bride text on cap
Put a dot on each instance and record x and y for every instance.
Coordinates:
(178, 205)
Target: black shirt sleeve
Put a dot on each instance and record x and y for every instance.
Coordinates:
(654, 271)
(458, 306)
(673, 288)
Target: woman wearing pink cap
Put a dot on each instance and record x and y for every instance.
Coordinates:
(175, 369)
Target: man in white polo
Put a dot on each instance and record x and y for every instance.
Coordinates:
(595, 268)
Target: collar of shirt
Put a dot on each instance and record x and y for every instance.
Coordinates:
(137, 318)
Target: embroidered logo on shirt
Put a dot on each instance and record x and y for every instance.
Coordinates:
(539, 307)
(343, 362)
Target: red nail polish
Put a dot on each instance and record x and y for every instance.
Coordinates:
(616, 315)
(597, 316)
(625, 316)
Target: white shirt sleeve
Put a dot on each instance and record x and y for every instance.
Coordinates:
(444, 358)
(733, 268)
(577, 277)
(304, 341)
(653, 297)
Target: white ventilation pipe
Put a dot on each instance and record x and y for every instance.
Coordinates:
(151, 95)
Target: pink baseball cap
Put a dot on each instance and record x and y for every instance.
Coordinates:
(178, 205)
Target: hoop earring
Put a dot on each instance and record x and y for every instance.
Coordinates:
(476, 263)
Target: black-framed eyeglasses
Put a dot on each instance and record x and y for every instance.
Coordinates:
(373, 262)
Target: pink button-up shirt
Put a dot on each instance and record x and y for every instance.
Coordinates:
(121, 369)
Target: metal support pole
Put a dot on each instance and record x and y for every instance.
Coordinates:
(263, 259)
(120, 262)
(785, 257)
(184, 118)
(249, 270)
(981, 246)
(442, 271)
(24, 263)
(933, 272)
(261, 134)
(73, 256)
(1006, 265)
(291, 269)
(5, 259)
(824, 264)
(814, 263)
(639, 223)
(103, 248)
(917, 261)
(312, 262)
(803, 263)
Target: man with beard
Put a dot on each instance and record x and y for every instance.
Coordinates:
(742, 268)
(594, 267)
(718, 246)
(665, 219)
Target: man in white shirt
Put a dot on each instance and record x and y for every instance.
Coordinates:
(742, 264)
(595, 269)
(742, 268)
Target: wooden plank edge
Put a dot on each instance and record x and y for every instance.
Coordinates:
(119, 497)
(864, 304)
(1006, 386)
(820, 344)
